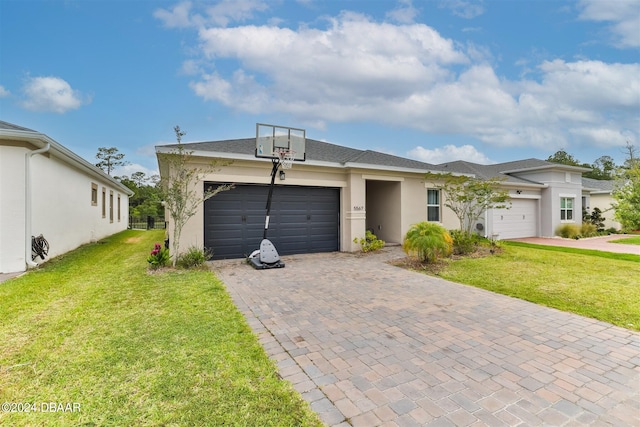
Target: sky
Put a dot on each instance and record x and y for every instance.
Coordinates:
(486, 81)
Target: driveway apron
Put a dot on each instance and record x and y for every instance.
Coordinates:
(370, 344)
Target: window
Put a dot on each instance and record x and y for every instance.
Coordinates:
(118, 207)
(566, 208)
(110, 206)
(433, 205)
(104, 202)
(94, 194)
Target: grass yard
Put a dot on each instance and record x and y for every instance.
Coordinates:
(94, 331)
(627, 240)
(595, 284)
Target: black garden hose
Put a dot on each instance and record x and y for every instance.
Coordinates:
(39, 247)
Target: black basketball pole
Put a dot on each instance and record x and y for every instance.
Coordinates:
(274, 169)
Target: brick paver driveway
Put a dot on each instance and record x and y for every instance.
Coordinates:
(369, 344)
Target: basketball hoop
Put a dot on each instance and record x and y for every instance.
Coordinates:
(286, 157)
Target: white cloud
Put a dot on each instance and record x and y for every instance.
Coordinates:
(449, 153)
(222, 13)
(405, 13)
(624, 16)
(4, 92)
(51, 94)
(464, 9)
(410, 76)
(127, 170)
(178, 17)
(226, 11)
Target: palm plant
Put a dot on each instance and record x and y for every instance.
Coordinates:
(428, 242)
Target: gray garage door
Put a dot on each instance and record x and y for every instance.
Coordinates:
(303, 220)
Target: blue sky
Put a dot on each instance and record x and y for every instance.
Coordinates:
(439, 80)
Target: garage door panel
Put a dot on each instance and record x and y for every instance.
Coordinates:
(302, 220)
(517, 222)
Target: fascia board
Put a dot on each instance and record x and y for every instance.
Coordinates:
(523, 185)
(556, 166)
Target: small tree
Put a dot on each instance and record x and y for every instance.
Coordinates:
(596, 218)
(627, 191)
(469, 198)
(564, 158)
(109, 159)
(178, 188)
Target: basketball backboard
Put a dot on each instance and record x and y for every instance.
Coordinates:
(270, 139)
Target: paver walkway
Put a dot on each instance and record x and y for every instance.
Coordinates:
(600, 243)
(370, 344)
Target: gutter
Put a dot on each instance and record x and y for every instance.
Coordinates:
(27, 203)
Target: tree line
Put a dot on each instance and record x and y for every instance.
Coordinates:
(147, 198)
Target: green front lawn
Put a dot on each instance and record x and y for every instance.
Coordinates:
(93, 329)
(595, 284)
(627, 240)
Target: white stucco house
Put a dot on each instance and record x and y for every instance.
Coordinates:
(338, 193)
(46, 189)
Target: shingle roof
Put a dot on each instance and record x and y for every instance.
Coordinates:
(505, 170)
(317, 151)
(600, 185)
(11, 126)
(494, 170)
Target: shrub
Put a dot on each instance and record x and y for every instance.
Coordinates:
(597, 219)
(159, 257)
(588, 229)
(463, 242)
(568, 231)
(193, 257)
(370, 242)
(428, 242)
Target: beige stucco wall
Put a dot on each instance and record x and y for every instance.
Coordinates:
(604, 202)
(390, 202)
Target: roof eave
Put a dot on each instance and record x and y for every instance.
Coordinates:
(543, 167)
(40, 140)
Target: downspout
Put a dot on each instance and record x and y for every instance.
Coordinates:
(27, 203)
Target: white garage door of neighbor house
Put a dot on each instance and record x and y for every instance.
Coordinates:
(519, 221)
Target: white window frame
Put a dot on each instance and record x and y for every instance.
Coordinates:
(433, 205)
(564, 211)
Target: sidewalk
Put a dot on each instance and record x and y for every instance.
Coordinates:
(6, 276)
(601, 243)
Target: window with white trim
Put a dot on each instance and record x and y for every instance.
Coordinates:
(566, 208)
(433, 205)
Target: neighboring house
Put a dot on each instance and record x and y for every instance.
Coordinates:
(339, 192)
(598, 194)
(45, 189)
(543, 196)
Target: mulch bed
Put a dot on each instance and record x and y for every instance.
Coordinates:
(434, 268)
